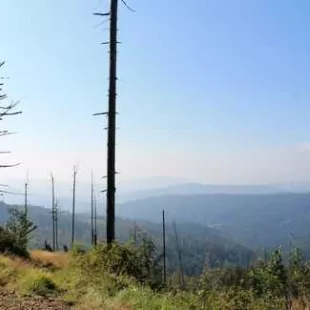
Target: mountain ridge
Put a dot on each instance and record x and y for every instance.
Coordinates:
(252, 220)
(40, 191)
(196, 240)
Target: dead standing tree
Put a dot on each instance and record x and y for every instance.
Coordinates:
(92, 208)
(6, 110)
(179, 254)
(111, 114)
(93, 214)
(53, 211)
(26, 196)
(95, 221)
(73, 207)
(111, 125)
(164, 248)
(57, 210)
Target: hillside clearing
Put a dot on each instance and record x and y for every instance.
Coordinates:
(115, 279)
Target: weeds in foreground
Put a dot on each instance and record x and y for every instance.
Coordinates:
(116, 279)
(37, 282)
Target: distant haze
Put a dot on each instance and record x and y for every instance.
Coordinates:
(40, 190)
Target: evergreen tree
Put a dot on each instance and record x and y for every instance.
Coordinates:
(277, 274)
(20, 225)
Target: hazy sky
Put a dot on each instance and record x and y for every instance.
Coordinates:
(211, 91)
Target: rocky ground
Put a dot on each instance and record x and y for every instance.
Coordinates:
(9, 300)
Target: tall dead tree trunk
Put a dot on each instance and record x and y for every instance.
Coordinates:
(95, 221)
(179, 253)
(57, 210)
(164, 249)
(111, 124)
(26, 198)
(92, 208)
(53, 211)
(73, 207)
(111, 128)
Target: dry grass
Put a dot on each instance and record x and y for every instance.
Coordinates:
(104, 306)
(50, 259)
(20, 263)
(298, 305)
(25, 277)
(49, 274)
(96, 301)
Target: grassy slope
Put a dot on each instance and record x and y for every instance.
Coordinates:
(50, 274)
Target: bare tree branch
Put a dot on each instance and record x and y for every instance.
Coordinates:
(128, 7)
(101, 14)
(100, 113)
(7, 110)
(6, 133)
(10, 113)
(10, 193)
(9, 166)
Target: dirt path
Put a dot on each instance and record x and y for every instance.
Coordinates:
(11, 301)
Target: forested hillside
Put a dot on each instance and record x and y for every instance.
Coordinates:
(253, 220)
(196, 241)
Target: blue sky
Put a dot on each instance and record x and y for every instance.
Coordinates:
(209, 90)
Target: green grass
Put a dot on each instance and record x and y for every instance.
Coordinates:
(83, 287)
(80, 282)
(145, 298)
(37, 282)
(7, 272)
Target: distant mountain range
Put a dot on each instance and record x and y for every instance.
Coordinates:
(40, 191)
(253, 215)
(196, 240)
(198, 189)
(253, 220)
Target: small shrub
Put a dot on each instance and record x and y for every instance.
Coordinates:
(78, 249)
(135, 262)
(39, 283)
(43, 286)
